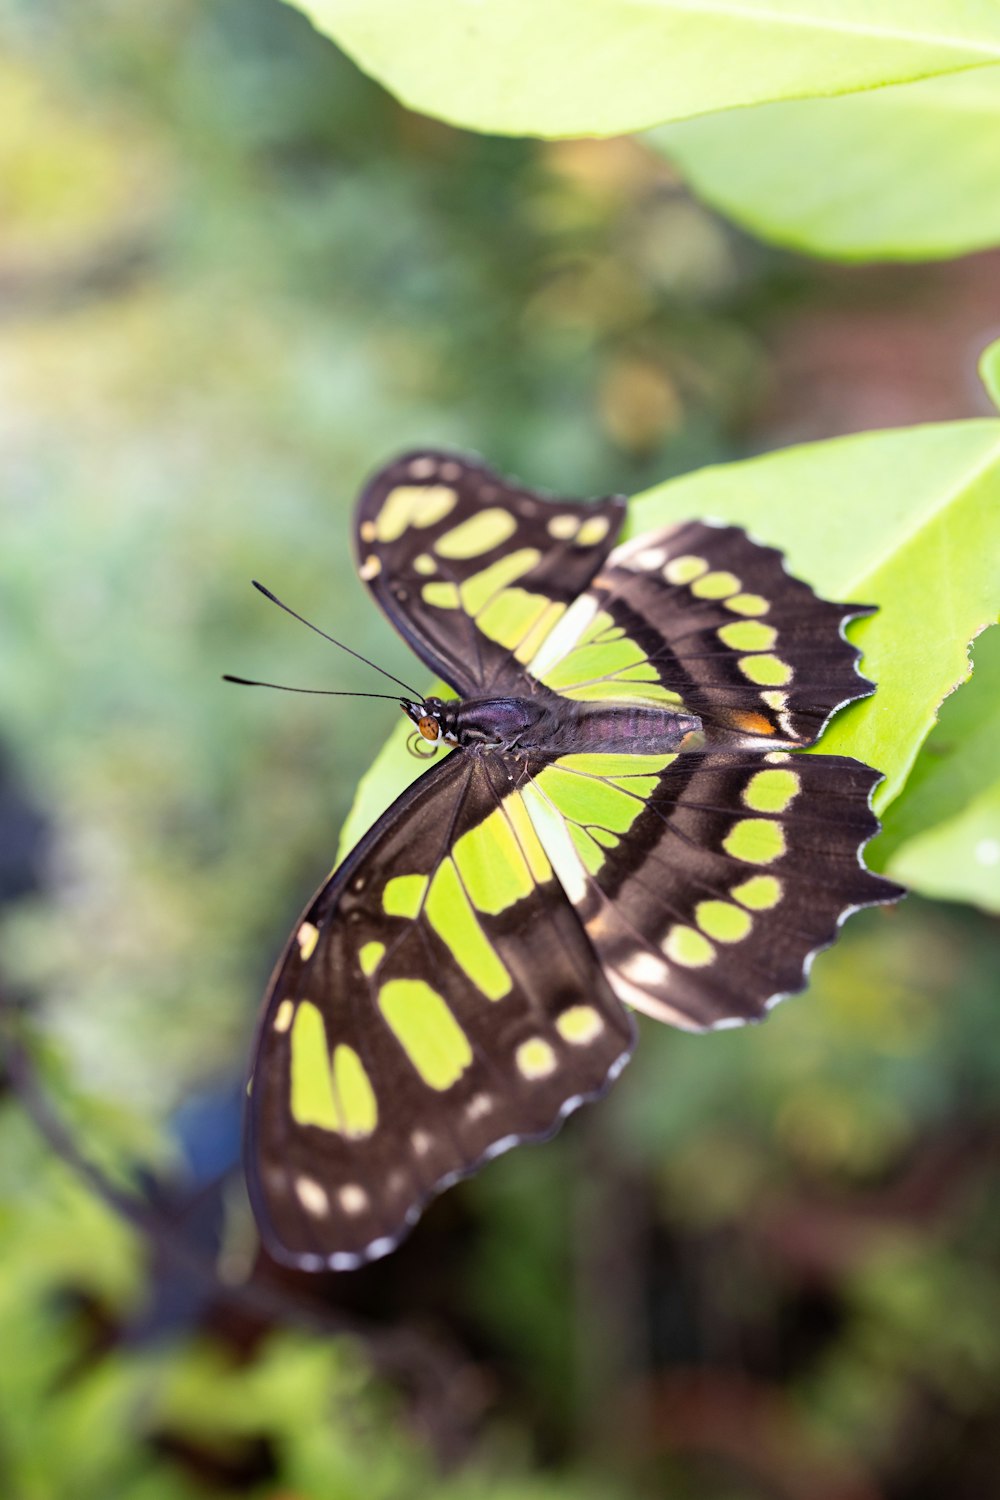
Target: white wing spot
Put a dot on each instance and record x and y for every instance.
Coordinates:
(307, 938)
(370, 568)
(479, 1106)
(642, 968)
(421, 1142)
(312, 1196)
(353, 1199)
(422, 468)
(647, 557)
(778, 701)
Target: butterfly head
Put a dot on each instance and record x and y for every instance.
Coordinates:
(432, 718)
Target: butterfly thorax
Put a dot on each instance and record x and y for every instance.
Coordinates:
(551, 724)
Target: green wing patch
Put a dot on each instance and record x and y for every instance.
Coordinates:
(472, 569)
(702, 616)
(438, 1002)
(707, 884)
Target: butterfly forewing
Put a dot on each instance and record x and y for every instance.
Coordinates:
(438, 1003)
(472, 569)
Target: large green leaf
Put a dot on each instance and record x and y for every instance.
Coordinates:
(958, 860)
(899, 173)
(391, 773)
(908, 520)
(602, 67)
(943, 834)
(989, 371)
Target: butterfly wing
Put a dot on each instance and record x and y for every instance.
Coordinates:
(707, 882)
(702, 616)
(438, 1002)
(472, 569)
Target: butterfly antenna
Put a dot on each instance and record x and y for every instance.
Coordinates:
(357, 654)
(318, 692)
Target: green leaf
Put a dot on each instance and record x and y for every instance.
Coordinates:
(897, 173)
(391, 773)
(958, 860)
(561, 68)
(989, 372)
(943, 835)
(907, 520)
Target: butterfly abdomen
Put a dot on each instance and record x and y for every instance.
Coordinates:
(552, 725)
(622, 729)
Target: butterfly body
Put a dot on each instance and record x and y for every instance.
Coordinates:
(544, 725)
(620, 822)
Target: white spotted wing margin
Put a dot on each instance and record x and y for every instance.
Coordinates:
(438, 1003)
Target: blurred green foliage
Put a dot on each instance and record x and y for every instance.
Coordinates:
(234, 276)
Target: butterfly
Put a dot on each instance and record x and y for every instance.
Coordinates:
(617, 822)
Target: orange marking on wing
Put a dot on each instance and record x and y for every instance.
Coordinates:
(753, 723)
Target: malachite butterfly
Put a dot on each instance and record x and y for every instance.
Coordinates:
(620, 823)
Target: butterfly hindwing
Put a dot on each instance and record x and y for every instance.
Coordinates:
(472, 569)
(703, 616)
(438, 1002)
(707, 882)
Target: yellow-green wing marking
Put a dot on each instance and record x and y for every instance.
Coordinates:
(438, 1002)
(702, 616)
(472, 569)
(706, 882)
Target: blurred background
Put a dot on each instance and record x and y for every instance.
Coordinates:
(235, 276)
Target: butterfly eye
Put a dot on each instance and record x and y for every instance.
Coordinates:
(429, 727)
